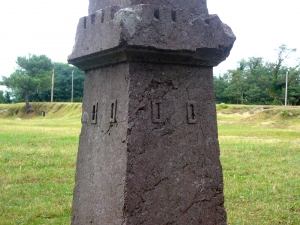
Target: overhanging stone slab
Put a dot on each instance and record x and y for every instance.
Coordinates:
(109, 29)
(201, 57)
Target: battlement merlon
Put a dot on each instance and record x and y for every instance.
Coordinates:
(150, 33)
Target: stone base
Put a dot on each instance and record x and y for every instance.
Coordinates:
(149, 151)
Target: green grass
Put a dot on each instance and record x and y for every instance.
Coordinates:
(37, 165)
(53, 110)
(260, 155)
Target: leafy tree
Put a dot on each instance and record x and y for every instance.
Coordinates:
(33, 74)
(4, 97)
(279, 70)
(294, 86)
(63, 82)
(220, 84)
(63, 85)
(257, 82)
(238, 86)
(7, 97)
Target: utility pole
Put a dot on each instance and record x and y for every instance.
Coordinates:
(52, 88)
(72, 85)
(286, 89)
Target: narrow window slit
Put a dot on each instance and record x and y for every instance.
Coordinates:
(192, 111)
(94, 112)
(112, 110)
(173, 15)
(102, 16)
(158, 110)
(112, 15)
(84, 23)
(93, 18)
(156, 14)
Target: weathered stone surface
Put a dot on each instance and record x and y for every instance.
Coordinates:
(149, 151)
(203, 40)
(173, 170)
(193, 6)
(102, 159)
(143, 168)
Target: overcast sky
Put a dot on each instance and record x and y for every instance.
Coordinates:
(48, 27)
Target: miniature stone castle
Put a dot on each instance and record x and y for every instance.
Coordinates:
(148, 151)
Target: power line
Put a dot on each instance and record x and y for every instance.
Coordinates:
(72, 85)
(52, 88)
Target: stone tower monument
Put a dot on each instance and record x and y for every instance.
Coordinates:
(148, 151)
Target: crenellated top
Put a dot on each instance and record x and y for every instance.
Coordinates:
(202, 39)
(193, 6)
(143, 13)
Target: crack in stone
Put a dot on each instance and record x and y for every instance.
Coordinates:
(190, 206)
(110, 126)
(155, 185)
(141, 105)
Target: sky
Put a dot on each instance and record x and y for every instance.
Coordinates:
(49, 27)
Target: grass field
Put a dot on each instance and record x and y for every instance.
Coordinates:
(260, 155)
(37, 164)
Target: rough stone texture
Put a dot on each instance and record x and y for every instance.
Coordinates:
(173, 171)
(101, 162)
(146, 28)
(193, 6)
(149, 151)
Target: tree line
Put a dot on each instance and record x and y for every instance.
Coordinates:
(255, 81)
(5, 97)
(32, 81)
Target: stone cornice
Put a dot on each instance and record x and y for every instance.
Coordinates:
(152, 32)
